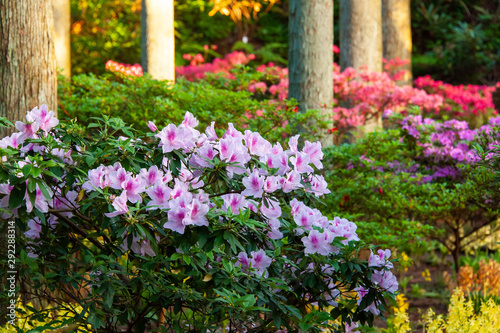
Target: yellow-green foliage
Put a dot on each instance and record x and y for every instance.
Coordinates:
(52, 319)
(461, 317)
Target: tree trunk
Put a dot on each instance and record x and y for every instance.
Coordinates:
(27, 59)
(361, 40)
(396, 28)
(310, 57)
(157, 39)
(62, 27)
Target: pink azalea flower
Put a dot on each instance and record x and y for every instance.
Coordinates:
(260, 261)
(204, 153)
(343, 228)
(116, 178)
(304, 219)
(386, 280)
(352, 328)
(65, 202)
(152, 126)
(232, 132)
(274, 226)
(381, 259)
(142, 247)
(12, 141)
(133, 187)
(40, 201)
(27, 130)
(272, 210)
(243, 261)
(152, 175)
(172, 138)
(97, 178)
(301, 163)
(35, 228)
(271, 184)
(235, 201)
(198, 213)
(318, 242)
(313, 150)
(291, 182)
(318, 185)
(180, 189)
(256, 144)
(160, 196)
(254, 184)
(210, 132)
(292, 143)
(120, 205)
(43, 117)
(296, 206)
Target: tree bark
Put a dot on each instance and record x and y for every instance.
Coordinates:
(62, 41)
(361, 34)
(310, 57)
(157, 39)
(396, 28)
(27, 59)
(361, 40)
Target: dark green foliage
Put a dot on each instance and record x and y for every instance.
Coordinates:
(140, 99)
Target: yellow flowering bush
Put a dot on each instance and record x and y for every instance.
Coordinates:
(461, 317)
(53, 319)
(401, 321)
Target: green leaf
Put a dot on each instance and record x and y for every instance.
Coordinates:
(47, 193)
(27, 169)
(108, 296)
(17, 195)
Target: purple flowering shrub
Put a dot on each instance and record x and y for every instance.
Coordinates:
(419, 181)
(180, 230)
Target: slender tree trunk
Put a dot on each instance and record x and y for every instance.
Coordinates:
(310, 57)
(27, 59)
(396, 28)
(157, 39)
(361, 40)
(62, 27)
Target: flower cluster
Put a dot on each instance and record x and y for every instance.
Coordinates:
(461, 100)
(485, 280)
(125, 69)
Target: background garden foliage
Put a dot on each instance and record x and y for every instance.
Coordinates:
(454, 41)
(248, 226)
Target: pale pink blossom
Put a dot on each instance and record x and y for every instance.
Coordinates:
(160, 196)
(381, 259)
(318, 242)
(120, 205)
(152, 126)
(301, 163)
(173, 138)
(235, 201)
(254, 184)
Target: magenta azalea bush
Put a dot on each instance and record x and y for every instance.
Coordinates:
(181, 230)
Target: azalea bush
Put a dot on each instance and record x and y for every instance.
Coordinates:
(461, 100)
(176, 230)
(423, 178)
(141, 99)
